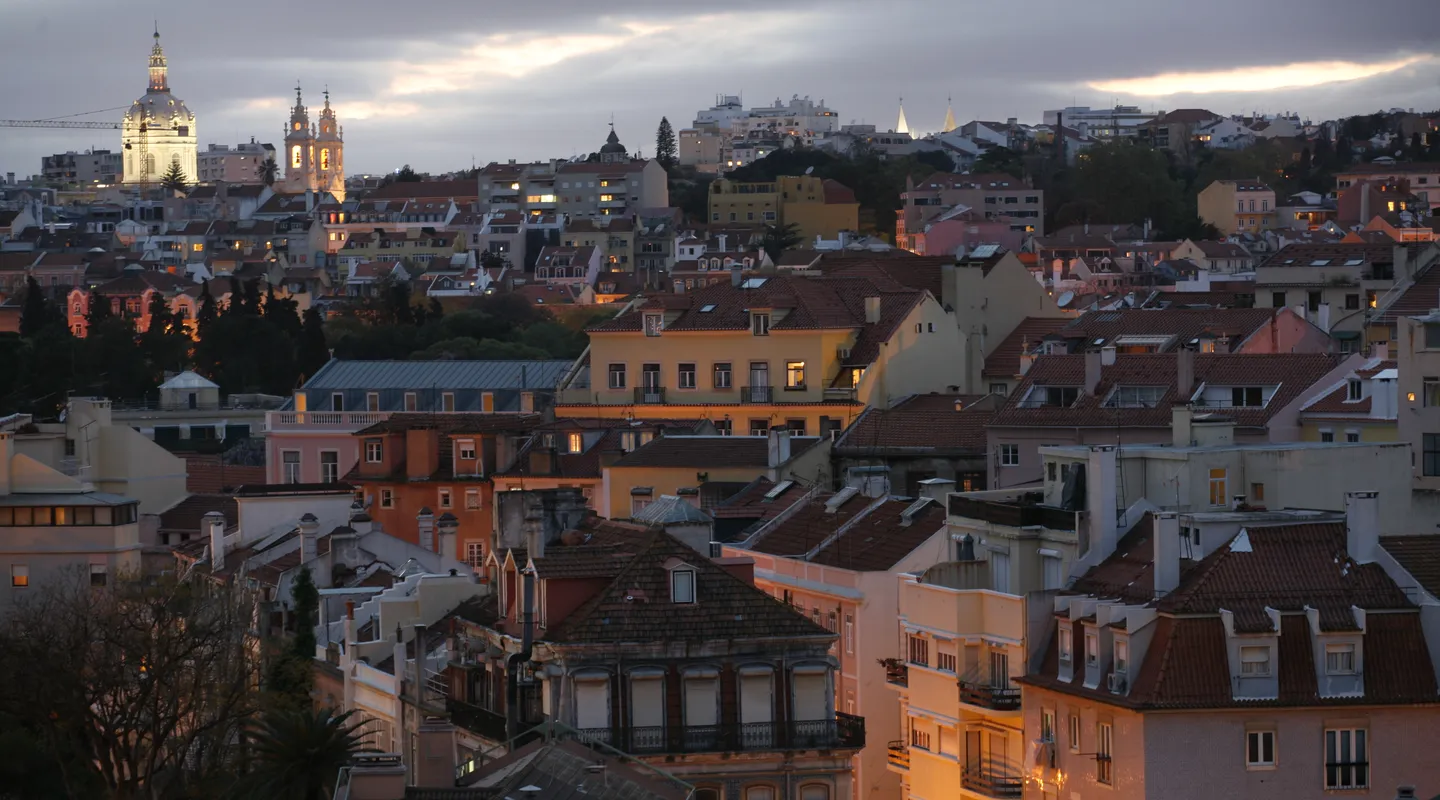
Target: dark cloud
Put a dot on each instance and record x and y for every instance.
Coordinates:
(524, 80)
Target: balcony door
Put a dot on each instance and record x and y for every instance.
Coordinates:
(650, 383)
(757, 708)
(999, 670)
(759, 382)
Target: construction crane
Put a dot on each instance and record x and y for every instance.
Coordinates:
(143, 145)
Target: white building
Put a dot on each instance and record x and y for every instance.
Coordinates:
(1102, 123)
(158, 131)
(238, 164)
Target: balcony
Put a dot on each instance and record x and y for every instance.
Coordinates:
(479, 721)
(845, 732)
(1015, 515)
(757, 395)
(898, 754)
(897, 672)
(992, 784)
(649, 395)
(335, 420)
(840, 394)
(995, 698)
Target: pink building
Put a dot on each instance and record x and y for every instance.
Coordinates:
(834, 558)
(968, 230)
(1273, 658)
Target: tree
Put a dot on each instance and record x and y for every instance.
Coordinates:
(406, 175)
(291, 674)
(206, 313)
(1122, 182)
(99, 310)
(174, 178)
(666, 151)
(299, 753)
(780, 238)
(313, 352)
(38, 312)
(151, 681)
(268, 171)
(283, 313)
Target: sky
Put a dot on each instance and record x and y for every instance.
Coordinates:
(442, 84)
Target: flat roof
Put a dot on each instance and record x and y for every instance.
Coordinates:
(1157, 449)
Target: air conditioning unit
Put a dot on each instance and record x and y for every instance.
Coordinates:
(1117, 683)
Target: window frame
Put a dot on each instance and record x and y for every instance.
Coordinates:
(1266, 668)
(1348, 652)
(1259, 743)
(1067, 644)
(445, 497)
(286, 466)
(19, 576)
(1009, 455)
(685, 375)
(759, 323)
(614, 371)
(479, 499)
(795, 375)
(1105, 753)
(725, 369)
(335, 476)
(1075, 733)
(1219, 486)
(378, 448)
(676, 595)
(387, 498)
(1355, 741)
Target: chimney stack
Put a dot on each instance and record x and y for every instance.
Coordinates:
(6, 452)
(360, 521)
(1093, 367)
(778, 450)
(1100, 502)
(309, 537)
(1167, 552)
(735, 277)
(1362, 525)
(872, 310)
(1181, 430)
(425, 523)
(1184, 373)
(215, 525)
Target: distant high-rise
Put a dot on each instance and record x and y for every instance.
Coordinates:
(158, 131)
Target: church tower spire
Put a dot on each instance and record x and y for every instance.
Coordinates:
(902, 126)
(158, 80)
(949, 117)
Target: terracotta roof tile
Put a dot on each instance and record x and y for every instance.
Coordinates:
(1004, 360)
(458, 190)
(809, 526)
(1334, 254)
(752, 503)
(1420, 556)
(709, 451)
(1419, 299)
(1183, 324)
(1337, 400)
(923, 423)
(186, 515)
(881, 538)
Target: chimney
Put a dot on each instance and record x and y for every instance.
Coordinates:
(309, 200)
(436, 767)
(1181, 430)
(872, 310)
(397, 650)
(965, 548)
(735, 277)
(448, 524)
(1362, 525)
(778, 447)
(722, 239)
(1184, 373)
(1092, 371)
(215, 525)
(1166, 553)
(425, 526)
(1380, 350)
(742, 567)
(1384, 398)
(360, 521)
(1100, 501)
(937, 489)
(309, 536)
(1027, 360)
(422, 453)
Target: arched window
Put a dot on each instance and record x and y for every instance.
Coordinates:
(325, 158)
(814, 791)
(295, 155)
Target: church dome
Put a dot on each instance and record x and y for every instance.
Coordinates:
(612, 144)
(160, 106)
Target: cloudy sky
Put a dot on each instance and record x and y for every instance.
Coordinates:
(439, 83)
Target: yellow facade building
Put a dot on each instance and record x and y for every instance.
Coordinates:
(806, 354)
(1238, 206)
(816, 206)
(1363, 407)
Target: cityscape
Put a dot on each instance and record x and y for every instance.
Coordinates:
(764, 448)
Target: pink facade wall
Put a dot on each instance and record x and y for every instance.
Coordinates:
(309, 445)
(1288, 333)
(944, 237)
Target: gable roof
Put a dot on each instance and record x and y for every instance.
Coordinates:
(1337, 400)
(925, 423)
(457, 190)
(710, 451)
(1004, 360)
(1180, 324)
(442, 374)
(1335, 254)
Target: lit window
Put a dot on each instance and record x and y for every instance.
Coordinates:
(487, 402)
(1217, 487)
(576, 443)
(295, 152)
(19, 576)
(795, 374)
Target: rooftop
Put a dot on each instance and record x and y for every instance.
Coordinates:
(703, 452)
(924, 423)
(444, 374)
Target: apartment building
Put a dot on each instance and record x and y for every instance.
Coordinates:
(87, 168)
(612, 238)
(754, 353)
(644, 645)
(312, 438)
(577, 189)
(239, 164)
(1339, 285)
(834, 557)
(1240, 655)
(1238, 206)
(996, 196)
(1364, 407)
(1100, 397)
(918, 439)
(1102, 123)
(817, 207)
(1423, 178)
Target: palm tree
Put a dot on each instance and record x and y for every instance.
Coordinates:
(268, 171)
(299, 753)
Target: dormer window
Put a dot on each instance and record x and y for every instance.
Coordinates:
(682, 586)
(1067, 643)
(759, 323)
(1354, 389)
(654, 323)
(1092, 649)
(1339, 659)
(1122, 656)
(1255, 662)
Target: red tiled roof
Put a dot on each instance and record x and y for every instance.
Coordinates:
(807, 527)
(1182, 324)
(1419, 299)
(837, 192)
(1222, 249)
(704, 452)
(209, 475)
(1419, 555)
(186, 515)
(918, 272)
(458, 190)
(751, 502)
(1337, 400)
(1004, 360)
(1334, 253)
(878, 540)
(1293, 373)
(928, 423)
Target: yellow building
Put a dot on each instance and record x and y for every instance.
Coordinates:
(1238, 206)
(1361, 408)
(818, 207)
(806, 354)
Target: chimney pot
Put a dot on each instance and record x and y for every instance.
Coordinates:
(1093, 368)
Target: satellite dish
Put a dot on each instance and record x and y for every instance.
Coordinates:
(1064, 299)
(809, 170)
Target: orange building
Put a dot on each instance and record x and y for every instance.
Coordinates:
(443, 463)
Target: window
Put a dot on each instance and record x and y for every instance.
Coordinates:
(722, 375)
(759, 427)
(918, 738)
(337, 401)
(617, 376)
(1074, 733)
(1000, 572)
(374, 451)
(19, 576)
(1432, 336)
(1354, 390)
(467, 449)
(1327, 435)
(472, 499)
(815, 791)
(1352, 436)
(945, 662)
(290, 460)
(575, 443)
(487, 402)
(849, 633)
(1092, 649)
(329, 466)
(1135, 397)
(687, 376)
(998, 388)
(447, 402)
(1431, 455)
(1339, 659)
(1122, 656)
(98, 574)
(919, 651)
(760, 324)
(1247, 397)
(1430, 389)
(1104, 744)
(445, 498)
(682, 586)
(1259, 749)
(654, 323)
(1277, 299)
(372, 401)
(1009, 455)
(1217, 487)
(722, 427)
(1255, 662)
(1347, 764)
(387, 498)
(475, 555)
(1050, 566)
(795, 426)
(1067, 643)
(1257, 492)
(1352, 302)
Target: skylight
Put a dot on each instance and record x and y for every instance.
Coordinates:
(752, 283)
(707, 308)
(1354, 262)
(1320, 262)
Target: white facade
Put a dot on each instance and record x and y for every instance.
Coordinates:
(158, 131)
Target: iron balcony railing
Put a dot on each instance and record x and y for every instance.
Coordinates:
(477, 720)
(992, 784)
(757, 394)
(995, 698)
(845, 732)
(649, 395)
